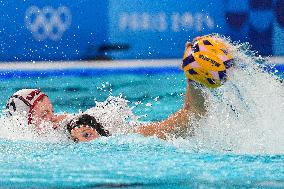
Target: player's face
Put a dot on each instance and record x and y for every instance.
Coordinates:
(43, 111)
(84, 134)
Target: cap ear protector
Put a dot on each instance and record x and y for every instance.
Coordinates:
(206, 61)
(22, 102)
(87, 120)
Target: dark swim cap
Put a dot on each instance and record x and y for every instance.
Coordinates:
(88, 121)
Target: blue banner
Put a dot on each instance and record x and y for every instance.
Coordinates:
(159, 29)
(51, 30)
(260, 22)
(34, 30)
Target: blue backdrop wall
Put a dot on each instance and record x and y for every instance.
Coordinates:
(51, 29)
(86, 29)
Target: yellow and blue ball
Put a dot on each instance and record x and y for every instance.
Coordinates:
(206, 61)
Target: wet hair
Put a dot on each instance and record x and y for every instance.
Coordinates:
(90, 121)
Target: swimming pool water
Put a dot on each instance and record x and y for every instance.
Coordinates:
(132, 161)
(156, 95)
(129, 161)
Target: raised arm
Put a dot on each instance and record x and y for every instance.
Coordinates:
(193, 106)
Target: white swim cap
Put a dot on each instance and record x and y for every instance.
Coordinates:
(22, 102)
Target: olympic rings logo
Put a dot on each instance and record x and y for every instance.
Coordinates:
(48, 23)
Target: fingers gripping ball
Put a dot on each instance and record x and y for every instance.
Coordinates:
(206, 61)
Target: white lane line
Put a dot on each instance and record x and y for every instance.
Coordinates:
(89, 64)
(61, 65)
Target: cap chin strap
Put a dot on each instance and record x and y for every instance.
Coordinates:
(32, 107)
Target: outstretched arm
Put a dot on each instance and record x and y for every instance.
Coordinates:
(193, 104)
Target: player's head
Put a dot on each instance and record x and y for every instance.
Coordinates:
(85, 128)
(30, 104)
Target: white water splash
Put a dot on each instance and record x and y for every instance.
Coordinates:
(245, 115)
(16, 128)
(115, 115)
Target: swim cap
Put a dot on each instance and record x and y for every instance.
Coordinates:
(89, 121)
(22, 102)
(206, 61)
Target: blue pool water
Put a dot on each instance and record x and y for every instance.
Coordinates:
(132, 161)
(234, 150)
